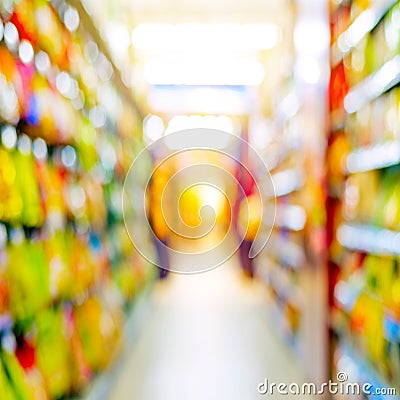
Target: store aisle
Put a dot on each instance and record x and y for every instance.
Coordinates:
(207, 338)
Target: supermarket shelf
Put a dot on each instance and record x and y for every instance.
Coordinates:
(373, 86)
(278, 279)
(358, 366)
(369, 239)
(287, 252)
(276, 318)
(373, 157)
(90, 27)
(360, 27)
(391, 327)
(346, 295)
(103, 384)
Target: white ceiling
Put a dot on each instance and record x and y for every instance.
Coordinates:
(130, 13)
(174, 11)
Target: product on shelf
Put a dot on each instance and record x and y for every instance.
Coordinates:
(67, 268)
(282, 263)
(364, 207)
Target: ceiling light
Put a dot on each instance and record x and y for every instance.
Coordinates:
(225, 37)
(204, 72)
(184, 122)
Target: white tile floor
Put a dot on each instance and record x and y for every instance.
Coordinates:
(207, 338)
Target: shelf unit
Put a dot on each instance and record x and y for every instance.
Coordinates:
(292, 266)
(359, 28)
(288, 266)
(363, 155)
(69, 130)
(282, 261)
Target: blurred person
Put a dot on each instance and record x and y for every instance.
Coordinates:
(248, 217)
(158, 224)
(249, 220)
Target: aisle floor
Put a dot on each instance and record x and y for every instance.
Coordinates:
(207, 338)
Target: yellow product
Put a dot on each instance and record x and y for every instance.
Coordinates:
(358, 72)
(124, 276)
(7, 391)
(54, 356)
(124, 240)
(93, 324)
(51, 186)
(8, 65)
(336, 158)
(381, 51)
(293, 317)
(19, 389)
(9, 79)
(379, 276)
(312, 198)
(360, 196)
(367, 319)
(28, 279)
(375, 331)
(96, 204)
(24, 10)
(32, 212)
(190, 207)
(51, 36)
(392, 209)
(358, 6)
(10, 197)
(82, 265)
(86, 140)
(58, 252)
(387, 210)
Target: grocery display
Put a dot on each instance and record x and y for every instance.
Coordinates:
(68, 272)
(281, 262)
(294, 250)
(363, 201)
(292, 265)
(321, 110)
